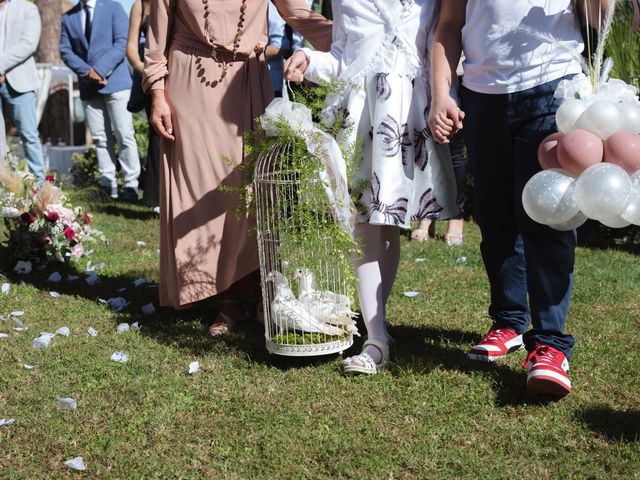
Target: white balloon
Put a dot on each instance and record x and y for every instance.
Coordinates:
(614, 222)
(571, 224)
(568, 113)
(549, 197)
(603, 191)
(630, 116)
(603, 118)
(632, 212)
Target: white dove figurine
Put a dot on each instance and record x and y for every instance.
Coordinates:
(324, 305)
(290, 314)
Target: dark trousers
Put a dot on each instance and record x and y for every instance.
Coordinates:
(524, 260)
(459, 160)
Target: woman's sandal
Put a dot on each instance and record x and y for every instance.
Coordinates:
(363, 363)
(224, 322)
(453, 239)
(421, 234)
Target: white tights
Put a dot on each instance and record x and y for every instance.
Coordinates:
(376, 271)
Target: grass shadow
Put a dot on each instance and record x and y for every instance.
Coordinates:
(422, 349)
(125, 210)
(614, 425)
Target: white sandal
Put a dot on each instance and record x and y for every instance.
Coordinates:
(365, 363)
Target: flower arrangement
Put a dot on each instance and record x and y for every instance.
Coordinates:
(42, 226)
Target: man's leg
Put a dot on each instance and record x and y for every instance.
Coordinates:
(3, 133)
(100, 128)
(22, 107)
(122, 122)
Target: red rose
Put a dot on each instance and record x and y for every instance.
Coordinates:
(50, 179)
(86, 218)
(27, 218)
(69, 233)
(53, 216)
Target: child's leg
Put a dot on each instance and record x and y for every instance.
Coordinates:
(376, 270)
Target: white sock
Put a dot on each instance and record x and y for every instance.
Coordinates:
(376, 270)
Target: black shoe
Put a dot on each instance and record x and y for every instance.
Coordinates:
(129, 194)
(106, 193)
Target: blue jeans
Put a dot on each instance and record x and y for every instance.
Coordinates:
(22, 108)
(524, 260)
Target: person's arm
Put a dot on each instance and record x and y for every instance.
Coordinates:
(156, 66)
(133, 39)
(593, 10)
(112, 57)
(16, 53)
(312, 25)
(69, 57)
(444, 115)
(319, 66)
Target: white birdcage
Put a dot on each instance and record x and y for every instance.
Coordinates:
(307, 310)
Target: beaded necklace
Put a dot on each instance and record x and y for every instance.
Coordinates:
(236, 45)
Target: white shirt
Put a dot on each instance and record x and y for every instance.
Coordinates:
(506, 49)
(375, 36)
(92, 9)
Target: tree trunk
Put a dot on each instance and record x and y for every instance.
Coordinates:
(50, 13)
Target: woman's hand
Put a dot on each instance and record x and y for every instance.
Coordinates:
(161, 115)
(445, 119)
(295, 66)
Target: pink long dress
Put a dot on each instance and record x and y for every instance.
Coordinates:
(204, 247)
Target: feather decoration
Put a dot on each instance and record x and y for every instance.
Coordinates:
(603, 33)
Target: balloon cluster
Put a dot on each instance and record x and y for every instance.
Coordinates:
(591, 166)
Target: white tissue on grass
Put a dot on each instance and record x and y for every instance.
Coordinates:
(92, 279)
(76, 464)
(17, 313)
(421, 260)
(135, 326)
(141, 243)
(3, 335)
(54, 294)
(194, 367)
(139, 281)
(43, 340)
(72, 278)
(148, 309)
(461, 260)
(5, 288)
(118, 303)
(92, 331)
(120, 357)
(7, 421)
(67, 403)
(54, 277)
(29, 367)
(21, 329)
(64, 331)
(411, 294)
(94, 268)
(123, 327)
(17, 321)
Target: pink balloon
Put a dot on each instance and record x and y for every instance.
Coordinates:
(578, 150)
(548, 151)
(623, 149)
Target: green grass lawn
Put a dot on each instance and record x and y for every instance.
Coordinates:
(245, 414)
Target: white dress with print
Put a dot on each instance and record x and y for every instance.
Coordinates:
(381, 49)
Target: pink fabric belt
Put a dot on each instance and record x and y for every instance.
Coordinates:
(218, 53)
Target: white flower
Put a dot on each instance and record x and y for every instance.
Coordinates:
(10, 212)
(23, 267)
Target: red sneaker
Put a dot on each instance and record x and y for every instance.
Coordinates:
(548, 369)
(497, 343)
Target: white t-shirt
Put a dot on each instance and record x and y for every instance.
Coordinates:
(514, 45)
